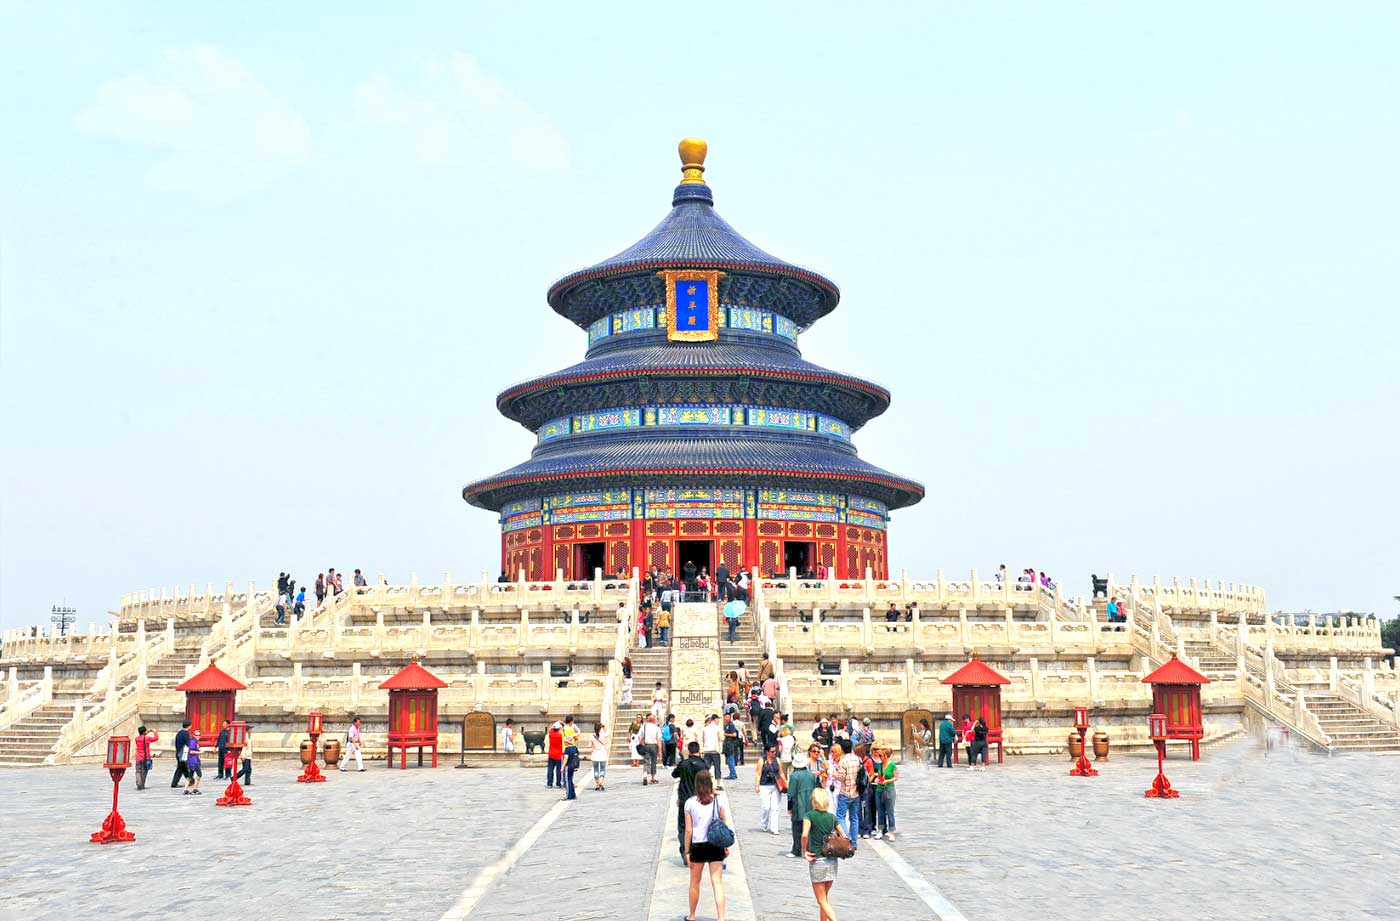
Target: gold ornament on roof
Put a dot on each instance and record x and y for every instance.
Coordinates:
(692, 151)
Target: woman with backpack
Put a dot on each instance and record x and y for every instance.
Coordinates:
(816, 827)
(701, 811)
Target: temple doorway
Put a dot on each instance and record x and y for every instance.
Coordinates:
(588, 557)
(799, 555)
(697, 552)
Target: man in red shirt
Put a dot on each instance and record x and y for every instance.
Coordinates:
(554, 769)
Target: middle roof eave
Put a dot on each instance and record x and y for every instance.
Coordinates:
(701, 360)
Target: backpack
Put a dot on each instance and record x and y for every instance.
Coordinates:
(862, 780)
(718, 833)
(666, 733)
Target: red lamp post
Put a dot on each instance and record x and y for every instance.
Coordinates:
(1082, 767)
(118, 760)
(1161, 787)
(312, 773)
(237, 739)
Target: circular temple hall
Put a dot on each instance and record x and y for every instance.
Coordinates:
(693, 430)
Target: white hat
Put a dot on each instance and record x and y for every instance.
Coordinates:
(799, 760)
(558, 725)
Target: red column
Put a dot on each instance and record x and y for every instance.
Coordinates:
(750, 548)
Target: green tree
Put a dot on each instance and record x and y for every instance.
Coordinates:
(1390, 636)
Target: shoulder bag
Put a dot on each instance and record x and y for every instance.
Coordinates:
(718, 833)
(838, 845)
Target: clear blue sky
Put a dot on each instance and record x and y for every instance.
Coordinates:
(1131, 277)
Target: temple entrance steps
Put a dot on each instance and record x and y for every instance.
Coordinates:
(649, 666)
(1213, 662)
(745, 648)
(30, 740)
(1349, 727)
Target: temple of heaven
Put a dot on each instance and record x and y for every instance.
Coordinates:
(693, 430)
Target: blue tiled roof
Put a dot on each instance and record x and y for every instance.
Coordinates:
(623, 459)
(693, 235)
(682, 359)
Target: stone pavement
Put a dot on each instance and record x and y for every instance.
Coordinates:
(1283, 837)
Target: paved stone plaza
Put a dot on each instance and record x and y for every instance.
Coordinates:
(1251, 837)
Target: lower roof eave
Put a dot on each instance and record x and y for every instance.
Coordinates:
(488, 494)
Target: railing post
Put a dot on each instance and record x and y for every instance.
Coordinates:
(355, 681)
(1093, 678)
(1037, 695)
(867, 638)
(413, 589)
(597, 588)
(976, 590)
(296, 685)
(962, 627)
(1333, 681)
(845, 684)
(942, 588)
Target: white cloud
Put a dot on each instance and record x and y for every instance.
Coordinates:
(465, 118)
(221, 129)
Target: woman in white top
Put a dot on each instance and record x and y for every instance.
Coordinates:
(598, 754)
(700, 810)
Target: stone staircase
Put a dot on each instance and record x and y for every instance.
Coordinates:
(169, 671)
(649, 666)
(1214, 663)
(30, 740)
(1350, 728)
(745, 648)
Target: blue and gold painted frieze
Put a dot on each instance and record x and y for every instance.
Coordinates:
(798, 505)
(769, 417)
(607, 419)
(590, 505)
(729, 316)
(694, 502)
(674, 414)
(691, 414)
(523, 513)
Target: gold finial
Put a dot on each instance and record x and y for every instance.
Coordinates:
(692, 151)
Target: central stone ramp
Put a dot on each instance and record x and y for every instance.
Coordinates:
(696, 687)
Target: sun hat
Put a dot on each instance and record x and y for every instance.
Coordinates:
(799, 760)
(558, 725)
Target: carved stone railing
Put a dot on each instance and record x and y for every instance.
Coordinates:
(23, 698)
(934, 632)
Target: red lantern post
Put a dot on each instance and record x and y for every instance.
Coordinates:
(1161, 787)
(237, 739)
(312, 773)
(1082, 767)
(118, 760)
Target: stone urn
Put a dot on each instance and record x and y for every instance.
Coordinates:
(1100, 746)
(308, 751)
(1075, 745)
(331, 752)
